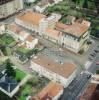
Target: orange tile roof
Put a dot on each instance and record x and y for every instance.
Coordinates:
(31, 17)
(23, 33)
(65, 69)
(61, 26)
(51, 90)
(53, 33)
(14, 28)
(77, 29)
(29, 38)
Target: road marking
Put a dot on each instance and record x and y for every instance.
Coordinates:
(88, 64)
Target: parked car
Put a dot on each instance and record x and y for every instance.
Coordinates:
(92, 55)
(97, 63)
(89, 76)
(97, 51)
(90, 58)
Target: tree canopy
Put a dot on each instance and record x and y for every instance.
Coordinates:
(9, 69)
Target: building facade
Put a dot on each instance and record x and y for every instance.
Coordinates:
(9, 7)
(63, 74)
(74, 36)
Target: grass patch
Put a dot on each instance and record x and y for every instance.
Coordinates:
(19, 74)
(25, 92)
(7, 40)
(23, 50)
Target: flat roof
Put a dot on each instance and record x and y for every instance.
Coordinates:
(65, 69)
(77, 29)
(31, 17)
(30, 38)
(53, 33)
(14, 28)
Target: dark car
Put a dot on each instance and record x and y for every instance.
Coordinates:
(88, 76)
(97, 51)
(92, 55)
(90, 58)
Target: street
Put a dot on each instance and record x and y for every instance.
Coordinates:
(73, 91)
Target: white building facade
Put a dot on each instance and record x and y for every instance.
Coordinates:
(51, 75)
(74, 43)
(74, 36)
(10, 7)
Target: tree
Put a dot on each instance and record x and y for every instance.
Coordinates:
(97, 5)
(9, 69)
(85, 4)
(35, 51)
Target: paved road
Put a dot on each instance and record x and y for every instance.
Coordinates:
(94, 67)
(73, 90)
(79, 84)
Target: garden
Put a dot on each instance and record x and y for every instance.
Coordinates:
(19, 75)
(7, 40)
(32, 87)
(24, 53)
(12, 71)
(6, 44)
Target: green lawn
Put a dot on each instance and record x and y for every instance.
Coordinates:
(7, 40)
(23, 50)
(19, 74)
(25, 92)
(97, 27)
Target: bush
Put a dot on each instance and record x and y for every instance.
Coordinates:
(18, 80)
(97, 71)
(81, 51)
(33, 81)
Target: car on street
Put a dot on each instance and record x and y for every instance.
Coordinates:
(97, 51)
(90, 58)
(89, 76)
(92, 55)
(97, 63)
